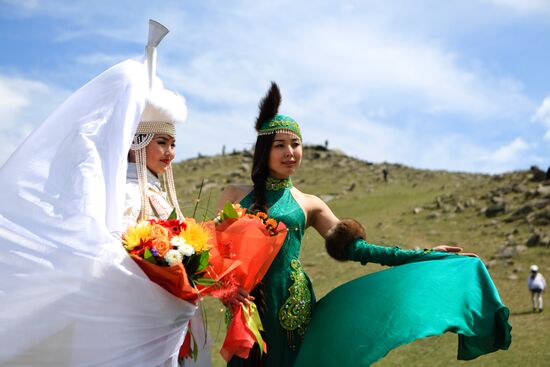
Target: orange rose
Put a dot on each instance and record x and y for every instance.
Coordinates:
(162, 246)
(158, 231)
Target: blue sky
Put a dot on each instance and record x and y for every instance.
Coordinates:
(456, 85)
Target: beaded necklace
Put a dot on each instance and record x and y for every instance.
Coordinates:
(276, 184)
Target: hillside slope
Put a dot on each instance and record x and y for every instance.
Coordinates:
(503, 218)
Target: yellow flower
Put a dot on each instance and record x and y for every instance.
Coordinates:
(134, 235)
(196, 235)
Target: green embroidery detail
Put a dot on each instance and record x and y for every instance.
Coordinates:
(276, 184)
(280, 123)
(295, 314)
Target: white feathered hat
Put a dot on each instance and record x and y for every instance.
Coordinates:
(163, 110)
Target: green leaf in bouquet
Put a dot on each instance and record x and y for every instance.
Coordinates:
(197, 262)
(229, 212)
(203, 260)
(173, 215)
(192, 263)
(205, 281)
(148, 256)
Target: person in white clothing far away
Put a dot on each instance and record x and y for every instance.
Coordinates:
(537, 285)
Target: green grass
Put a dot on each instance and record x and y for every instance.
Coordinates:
(386, 211)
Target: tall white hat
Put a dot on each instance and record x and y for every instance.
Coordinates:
(163, 109)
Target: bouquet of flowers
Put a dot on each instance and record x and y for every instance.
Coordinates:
(253, 240)
(191, 259)
(173, 253)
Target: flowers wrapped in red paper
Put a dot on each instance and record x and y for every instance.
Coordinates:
(254, 241)
(215, 258)
(175, 254)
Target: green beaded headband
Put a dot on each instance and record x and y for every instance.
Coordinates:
(280, 124)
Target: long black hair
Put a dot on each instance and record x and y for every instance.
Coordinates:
(260, 171)
(269, 106)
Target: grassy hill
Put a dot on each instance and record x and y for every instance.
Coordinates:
(503, 218)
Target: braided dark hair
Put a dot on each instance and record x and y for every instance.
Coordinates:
(269, 106)
(260, 171)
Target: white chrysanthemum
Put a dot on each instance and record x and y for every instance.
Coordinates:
(177, 241)
(173, 257)
(185, 249)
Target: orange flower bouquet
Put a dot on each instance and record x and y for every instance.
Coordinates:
(253, 240)
(175, 254)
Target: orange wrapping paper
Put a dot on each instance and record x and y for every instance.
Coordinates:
(247, 241)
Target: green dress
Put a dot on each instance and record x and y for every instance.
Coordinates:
(290, 301)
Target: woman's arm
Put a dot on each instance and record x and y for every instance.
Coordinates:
(345, 240)
(319, 215)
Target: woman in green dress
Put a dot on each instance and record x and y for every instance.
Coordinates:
(285, 297)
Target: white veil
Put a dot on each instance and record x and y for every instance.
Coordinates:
(69, 294)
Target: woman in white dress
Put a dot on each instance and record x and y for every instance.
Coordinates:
(150, 157)
(70, 294)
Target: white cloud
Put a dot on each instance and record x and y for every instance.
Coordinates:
(525, 7)
(24, 4)
(508, 153)
(407, 72)
(23, 104)
(542, 115)
(366, 55)
(380, 80)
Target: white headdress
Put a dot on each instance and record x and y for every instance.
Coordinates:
(163, 109)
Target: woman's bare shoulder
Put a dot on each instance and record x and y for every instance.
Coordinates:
(312, 202)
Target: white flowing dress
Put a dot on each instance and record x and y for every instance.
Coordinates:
(69, 293)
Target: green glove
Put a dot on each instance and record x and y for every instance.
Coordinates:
(364, 252)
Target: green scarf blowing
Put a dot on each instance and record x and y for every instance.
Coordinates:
(359, 322)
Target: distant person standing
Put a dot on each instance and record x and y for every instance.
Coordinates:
(385, 173)
(537, 285)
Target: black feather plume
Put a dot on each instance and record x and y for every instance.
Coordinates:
(269, 105)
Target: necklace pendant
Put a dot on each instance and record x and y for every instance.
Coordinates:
(276, 184)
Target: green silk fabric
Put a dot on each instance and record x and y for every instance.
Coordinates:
(359, 322)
